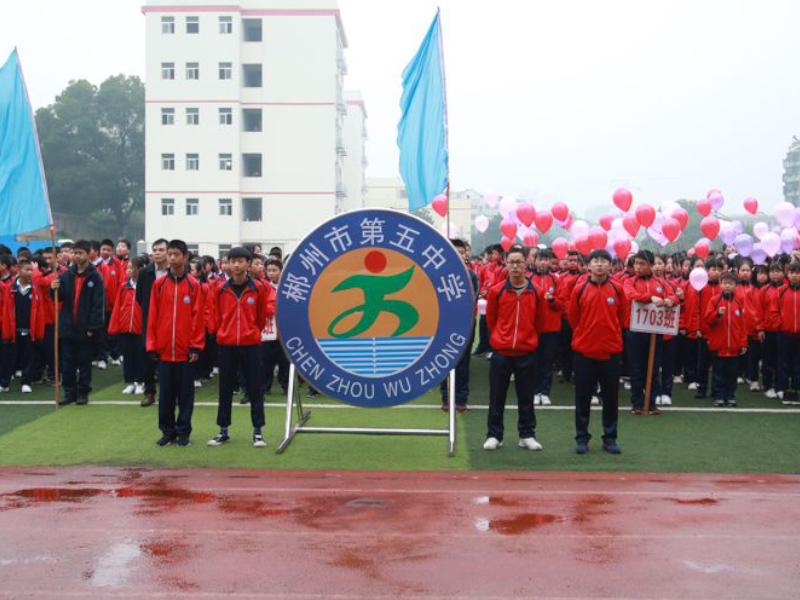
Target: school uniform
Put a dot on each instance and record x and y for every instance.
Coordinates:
(770, 323)
(462, 366)
(549, 283)
(596, 314)
(144, 286)
(669, 346)
(564, 344)
(272, 355)
(23, 328)
(175, 330)
(45, 352)
(788, 307)
(727, 336)
(126, 326)
(754, 344)
(704, 357)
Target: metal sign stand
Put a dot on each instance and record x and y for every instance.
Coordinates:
(293, 400)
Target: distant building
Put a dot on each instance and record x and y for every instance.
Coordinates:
(791, 174)
(350, 144)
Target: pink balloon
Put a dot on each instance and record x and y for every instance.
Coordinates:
(508, 228)
(526, 214)
(560, 211)
(560, 247)
(491, 200)
(682, 217)
(716, 199)
(631, 224)
(606, 221)
(598, 238)
(751, 205)
(645, 214)
(481, 223)
(530, 239)
(771, 243)
(622, 248)
(785, 214)
(710, 227)
(698, 279)
(623, 199)
(506, 243)
(580, 229)
(439, 204)
(760, 229)
(543, 220)
(702, 248)
(671, 229)
(568, 224)
(704, 207)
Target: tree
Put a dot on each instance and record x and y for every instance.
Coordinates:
(92, 143)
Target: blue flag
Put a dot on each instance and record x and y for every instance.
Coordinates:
(422, 131)
(24, 203)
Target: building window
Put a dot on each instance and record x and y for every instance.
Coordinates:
(167, 162)
(226, 25)
(252, 30)
(192, 162)
(192, 70)
(225, 207)
(225, 70)
(251, 165)
(167, 24)
(168, 116)
(251, 118)
(167, 207)
(251, 209)
(193, 116)
(225, 116)
(252, 75)
(167, 70)
(194, 249)
(226, 162)
(224, 249)
(192, 24)
(192, 207)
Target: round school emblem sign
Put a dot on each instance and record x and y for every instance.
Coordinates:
(375, 308)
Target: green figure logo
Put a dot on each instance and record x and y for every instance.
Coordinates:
(375, 289)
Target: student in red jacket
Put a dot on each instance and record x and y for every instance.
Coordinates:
(514, 313)
(755, 342)
(126, 325)
(705, 296)
(770, 325)
(726, 333)
(669, 345)
(45, 352)
(788, 307)
(549, 283)
(596, 313)
(242, 307)
(23, 326)
(175, 337)
(567, 282)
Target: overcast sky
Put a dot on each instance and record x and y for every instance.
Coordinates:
(556, 100)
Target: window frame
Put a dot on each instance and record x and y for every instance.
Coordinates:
(168, 207)
(192, 207)
(225, 207)
(192, 161)
(168, 68)
(192, 71)
(167, 116)
(192, 20)
(192, 114)
(167, 161)
(167, 25)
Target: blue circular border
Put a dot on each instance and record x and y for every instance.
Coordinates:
(455, 315)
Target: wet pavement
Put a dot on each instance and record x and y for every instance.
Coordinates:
(141, 533)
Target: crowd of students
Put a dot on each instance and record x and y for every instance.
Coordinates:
(177, 320)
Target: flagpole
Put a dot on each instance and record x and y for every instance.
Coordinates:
(446, 120)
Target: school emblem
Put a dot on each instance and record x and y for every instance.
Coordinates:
(90, 284)
(187, 299)
(610, 300)
(251, 300)
(374, 308)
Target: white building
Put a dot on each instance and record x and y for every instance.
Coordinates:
(354, 136)
(244, 106)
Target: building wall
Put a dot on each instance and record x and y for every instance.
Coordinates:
(791, 174)
(354, 133)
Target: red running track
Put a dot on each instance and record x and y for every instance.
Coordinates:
(140, 533)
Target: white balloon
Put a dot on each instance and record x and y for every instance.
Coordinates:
(760, 229)
(579, 229)
(481, 223)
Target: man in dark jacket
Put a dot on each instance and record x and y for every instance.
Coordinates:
(81, 318)
(144, 285)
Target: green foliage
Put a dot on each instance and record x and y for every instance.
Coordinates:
(92, 142)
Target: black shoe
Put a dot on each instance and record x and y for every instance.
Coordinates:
(612, 447)
(82, 400)
(219, 440)
(581, 448)
(312, 393)
(719, 402)
(66, 400)
(244, 400)
(183, 441)
(700, 395)
(166, 440)
(148, 400)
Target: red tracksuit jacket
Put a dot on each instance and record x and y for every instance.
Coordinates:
(241, 320)
(706, 295)
(9, 314)
(747, 294)
(788, 308)
(127, 314)
(642, 289)
(770, 315)
(596, 314)
(175, 324)
(514, 320)
(549, 283)
(727, 333)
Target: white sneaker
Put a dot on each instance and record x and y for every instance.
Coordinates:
(739, 381)
(26, 389)
(198, 383)
(546, 400)
(627, 385)
(139, 389)
(529, 443)
(101, 364)
(513, 377)
(595, 401)
(692, 386)
(492, 444)
(658, 400)
(754, 387)
(666, 401)
(780, 394)
(771, 393)
(258, 441)
(677, 379)
(129, 389)
(18, 374)
(3, 389)
(537, 399)
(117, 362)
(215, 371)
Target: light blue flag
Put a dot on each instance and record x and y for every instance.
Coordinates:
(422, 131)
(24, 203)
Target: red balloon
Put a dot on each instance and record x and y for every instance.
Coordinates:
(622, 248)
(598, 238)
(623, 199)
(526, 213)
(560, 211)
(645, 214)
(751, 205)
(530, 239)
(560, 247)
(631, 224)
(506, 243)
(702, 249)
(508, 228)
(572, 247)
(682, 217)
(704, 207)
(605, 222)
(439, 204)
(543, 220)
(583, 245)
(710, 227)
(671, 229)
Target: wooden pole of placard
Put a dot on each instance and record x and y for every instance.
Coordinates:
(649, 385)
